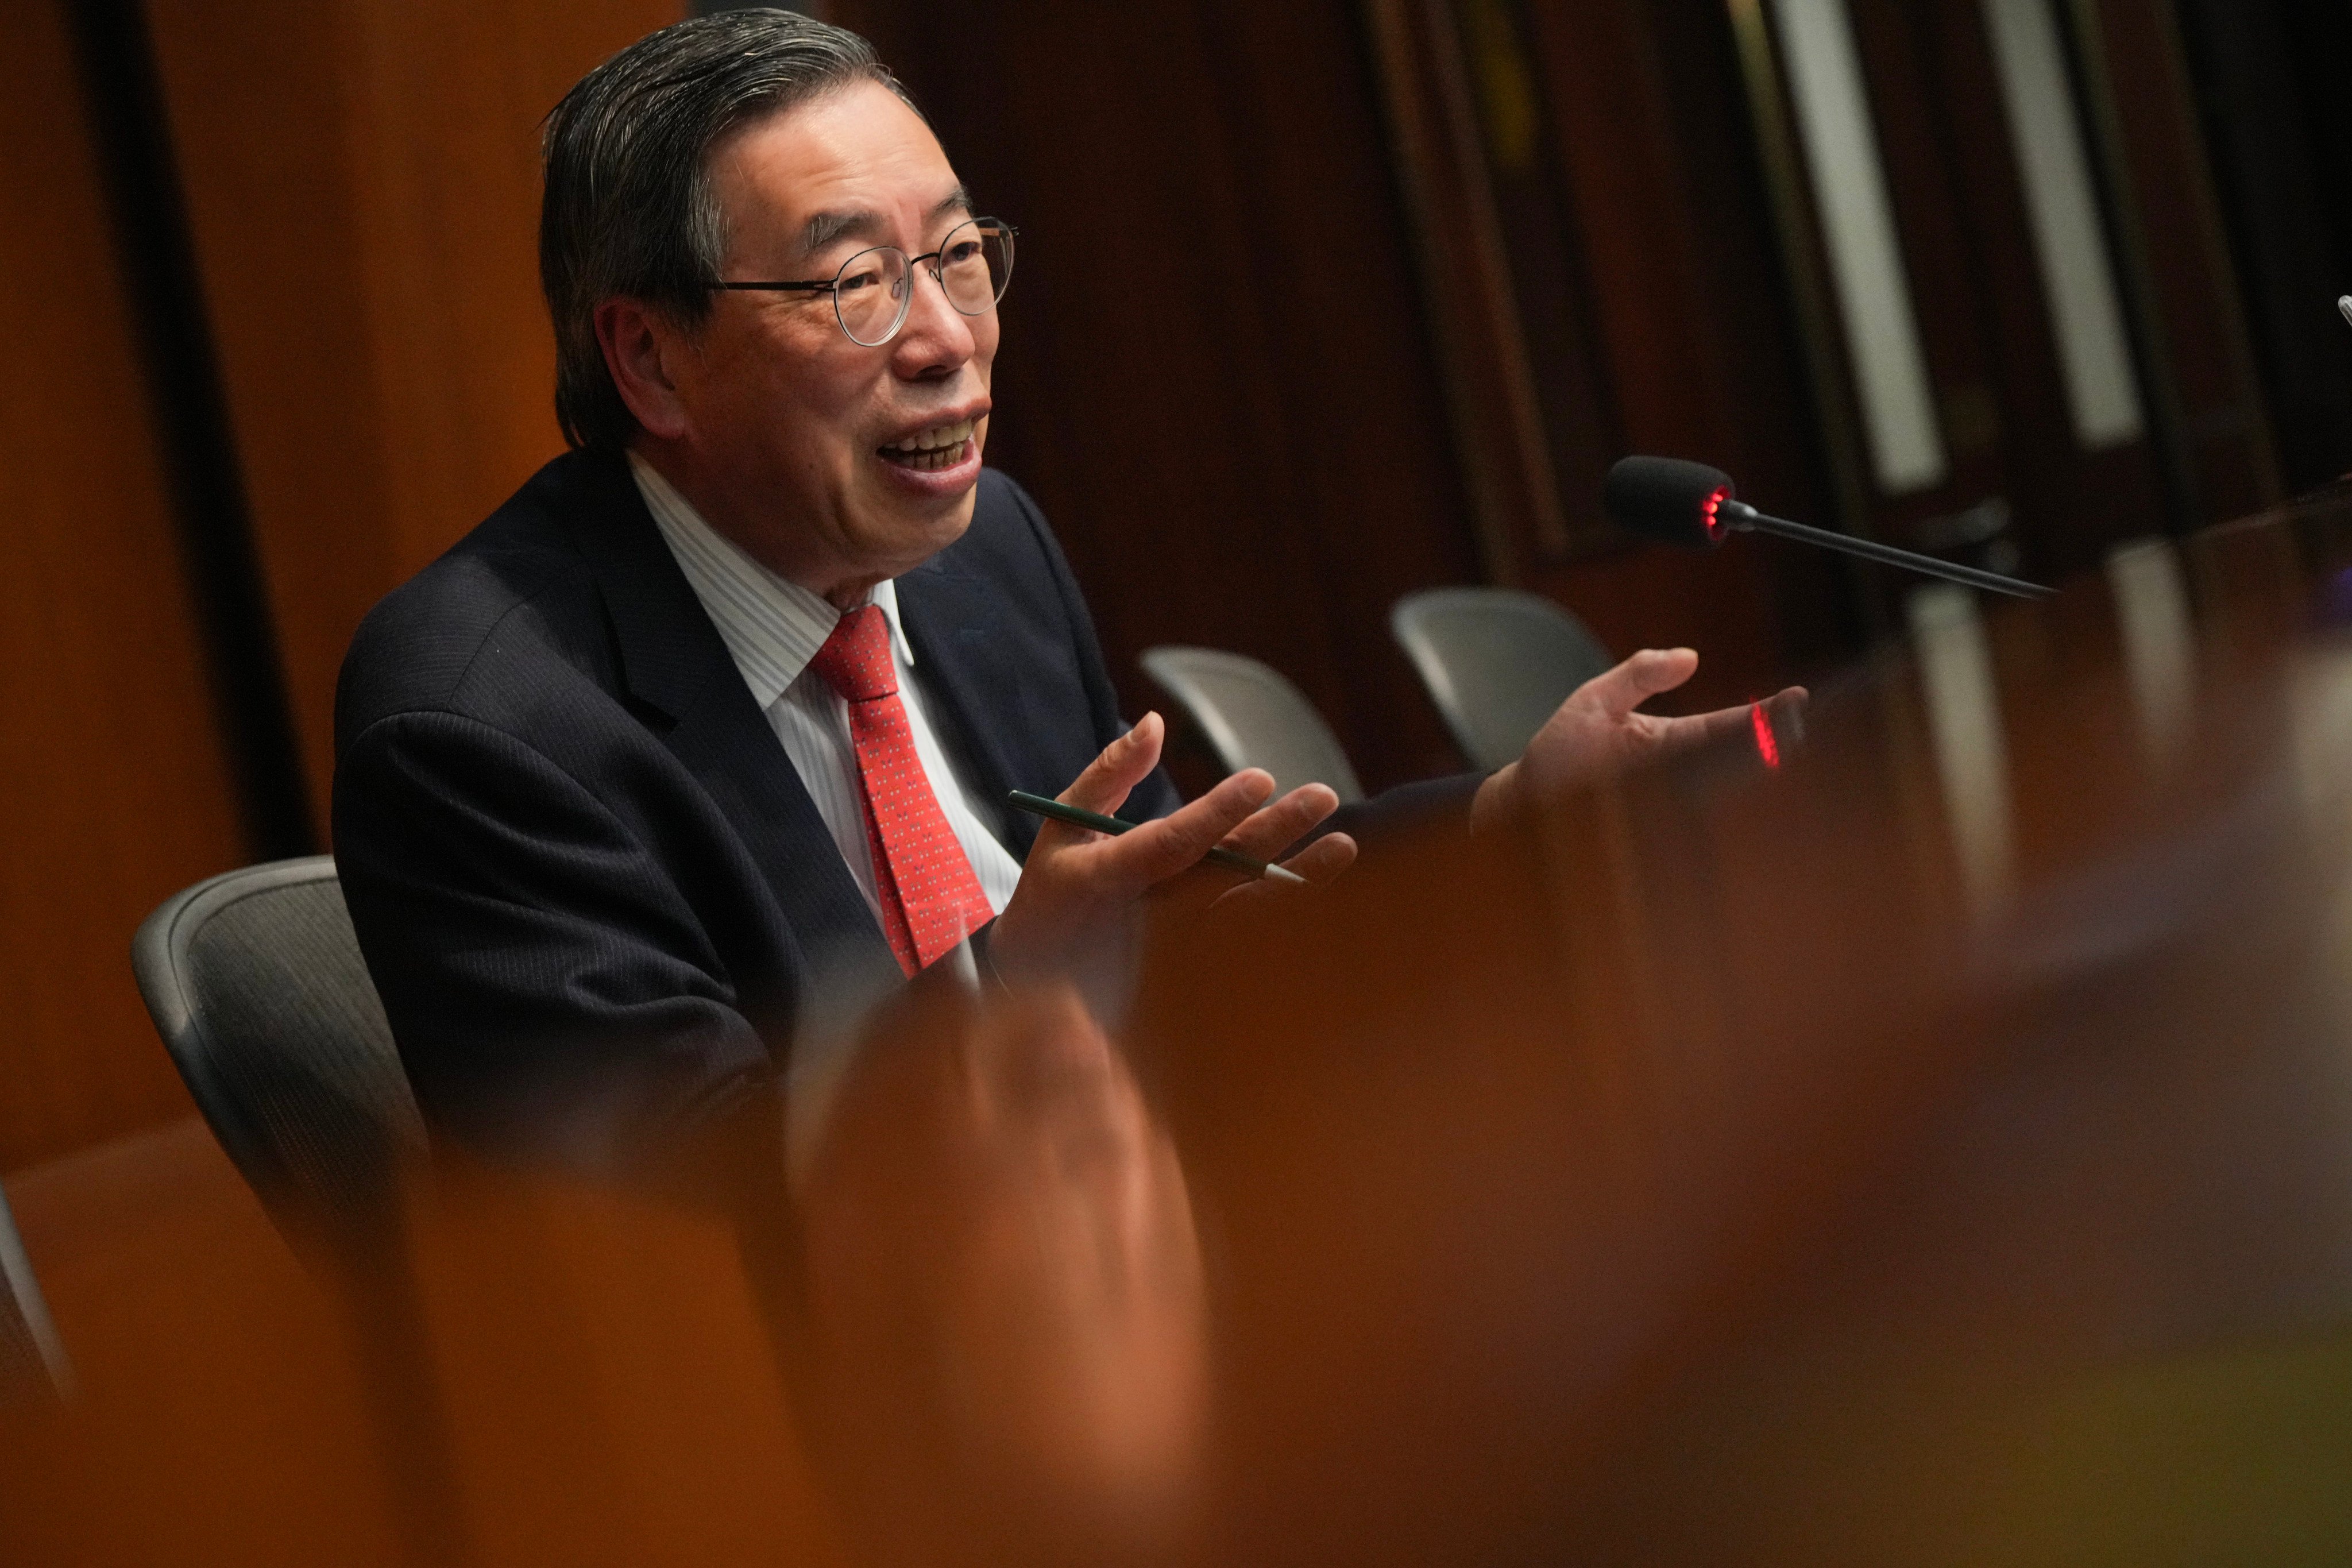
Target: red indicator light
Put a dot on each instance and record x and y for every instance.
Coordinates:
(1767, 745)
(1712, 510)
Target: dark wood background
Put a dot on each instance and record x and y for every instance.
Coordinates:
(1318, 304)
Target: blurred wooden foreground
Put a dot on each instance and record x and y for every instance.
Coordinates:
(1938, 1148)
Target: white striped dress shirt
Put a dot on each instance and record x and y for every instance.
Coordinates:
(774, 629)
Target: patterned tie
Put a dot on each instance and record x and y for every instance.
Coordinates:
(930, 899)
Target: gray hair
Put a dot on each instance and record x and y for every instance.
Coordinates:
(627, 209)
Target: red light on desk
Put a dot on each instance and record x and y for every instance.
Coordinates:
(1767, 745)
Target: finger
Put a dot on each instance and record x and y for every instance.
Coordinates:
(1786, 711)
(1277, 826)
(1127, 762)
(1652, 670)
(1681, 734)
(1158, 850)
(1323, 859)
(1319, 862)
(1677, 734)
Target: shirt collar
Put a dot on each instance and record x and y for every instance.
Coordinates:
(771, 626)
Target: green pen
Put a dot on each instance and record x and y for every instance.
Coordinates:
(1038, 805)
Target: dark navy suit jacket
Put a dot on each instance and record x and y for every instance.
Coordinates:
(588, 882)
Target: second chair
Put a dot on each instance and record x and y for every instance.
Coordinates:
(1254, 718)
(1496, 662)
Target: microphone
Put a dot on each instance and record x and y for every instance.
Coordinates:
(1692, 505)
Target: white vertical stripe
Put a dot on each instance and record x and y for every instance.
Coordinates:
(774, 629)
(2077, 275)
(1963, 699)
(2159, 642)
(1874, 293)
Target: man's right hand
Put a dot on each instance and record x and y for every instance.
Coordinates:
(1079, 886)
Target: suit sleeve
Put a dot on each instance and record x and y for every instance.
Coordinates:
(1440, 804)
(552, 992)
(1156, 796)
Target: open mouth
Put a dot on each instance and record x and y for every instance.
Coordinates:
(938, 447)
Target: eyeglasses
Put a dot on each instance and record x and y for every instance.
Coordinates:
(871, 293)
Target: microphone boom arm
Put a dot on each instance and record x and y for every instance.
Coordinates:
(1739, 515)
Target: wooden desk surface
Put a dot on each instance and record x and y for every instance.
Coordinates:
(1936, 1147)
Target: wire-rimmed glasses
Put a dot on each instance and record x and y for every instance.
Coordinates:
(871, 293)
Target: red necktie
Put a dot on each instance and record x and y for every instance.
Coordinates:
(930, 899)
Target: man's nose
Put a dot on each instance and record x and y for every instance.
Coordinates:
(936, 337)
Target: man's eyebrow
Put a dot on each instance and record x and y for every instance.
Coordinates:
(824, 228)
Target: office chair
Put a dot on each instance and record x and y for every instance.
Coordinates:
(1253, 718)
(32, 1362)
(254, 981)
(1496, 662)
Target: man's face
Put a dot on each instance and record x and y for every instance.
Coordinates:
(800, 443)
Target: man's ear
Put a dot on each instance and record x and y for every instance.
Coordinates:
(640, 345)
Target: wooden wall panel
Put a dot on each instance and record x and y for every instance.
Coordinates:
(1646, 111)
(2227, 447)
(363, 182)
(2268, 75)
(114, 788)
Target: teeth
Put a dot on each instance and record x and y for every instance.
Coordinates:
(937, 436)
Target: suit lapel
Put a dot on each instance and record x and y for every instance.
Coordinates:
(948, 617)
(672, 660)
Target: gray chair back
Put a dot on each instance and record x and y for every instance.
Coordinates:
(1496, 662)
(32, 1362)
(1253, 718)
(256, 983)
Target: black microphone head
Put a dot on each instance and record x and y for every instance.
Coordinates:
(1668, 499)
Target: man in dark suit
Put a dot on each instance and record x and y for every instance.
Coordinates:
(711, 719)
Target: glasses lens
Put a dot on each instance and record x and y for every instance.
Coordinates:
(975, 264)
(870, 294)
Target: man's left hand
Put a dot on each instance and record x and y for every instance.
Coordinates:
(1597, 731)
